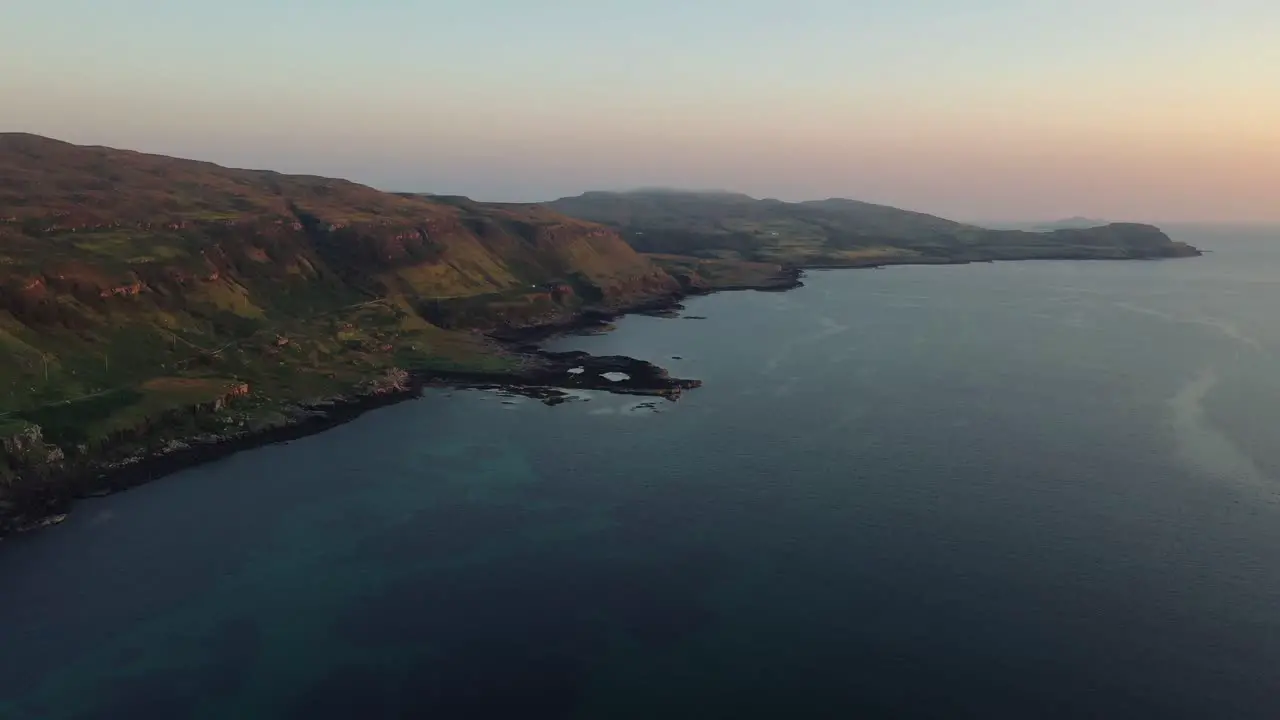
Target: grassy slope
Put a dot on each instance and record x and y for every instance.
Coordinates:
(132, 285)
(839, 232)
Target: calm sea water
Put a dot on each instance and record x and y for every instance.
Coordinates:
(1017, 490)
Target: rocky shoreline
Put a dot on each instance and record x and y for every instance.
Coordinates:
(46, 502)
(543, 375)
(559, 371)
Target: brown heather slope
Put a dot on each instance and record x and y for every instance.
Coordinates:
(147, 299)
(55, 192)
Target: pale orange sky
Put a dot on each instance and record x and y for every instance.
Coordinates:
(991, 109)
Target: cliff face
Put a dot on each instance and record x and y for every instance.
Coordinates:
(136, 289)
(105, 253)
(125, 222)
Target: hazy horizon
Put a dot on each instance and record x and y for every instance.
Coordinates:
(1136, 110)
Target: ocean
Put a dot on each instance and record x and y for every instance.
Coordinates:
(1039, 489)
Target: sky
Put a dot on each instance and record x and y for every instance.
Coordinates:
(1154, 110)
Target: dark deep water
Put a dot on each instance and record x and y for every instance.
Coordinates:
(1015, 490)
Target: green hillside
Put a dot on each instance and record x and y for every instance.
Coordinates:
(839, 232)
(134, 287)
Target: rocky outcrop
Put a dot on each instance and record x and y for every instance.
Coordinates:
(28, 449)
(392, 382)
(235, 392)
(128, 290)
(543, 371)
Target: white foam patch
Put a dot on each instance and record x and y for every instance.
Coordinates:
(1205, 446)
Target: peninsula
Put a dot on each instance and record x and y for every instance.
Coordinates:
(156, 312)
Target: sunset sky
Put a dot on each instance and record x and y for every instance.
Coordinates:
(974, 109)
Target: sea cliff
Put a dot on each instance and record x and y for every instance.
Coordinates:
(156, 312)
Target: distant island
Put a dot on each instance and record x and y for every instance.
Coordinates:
(155, 312)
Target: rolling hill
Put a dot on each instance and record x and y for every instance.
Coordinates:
(841, 233)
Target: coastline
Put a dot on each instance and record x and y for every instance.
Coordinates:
(545, 378)
(56, 497)
(878, 263)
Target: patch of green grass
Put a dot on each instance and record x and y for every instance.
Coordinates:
(10, 426)
(70, 423)
(214, 216)
(113, 412)
(496, 364)
(133, 247)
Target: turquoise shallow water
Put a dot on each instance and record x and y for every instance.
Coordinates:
(1026, 489)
